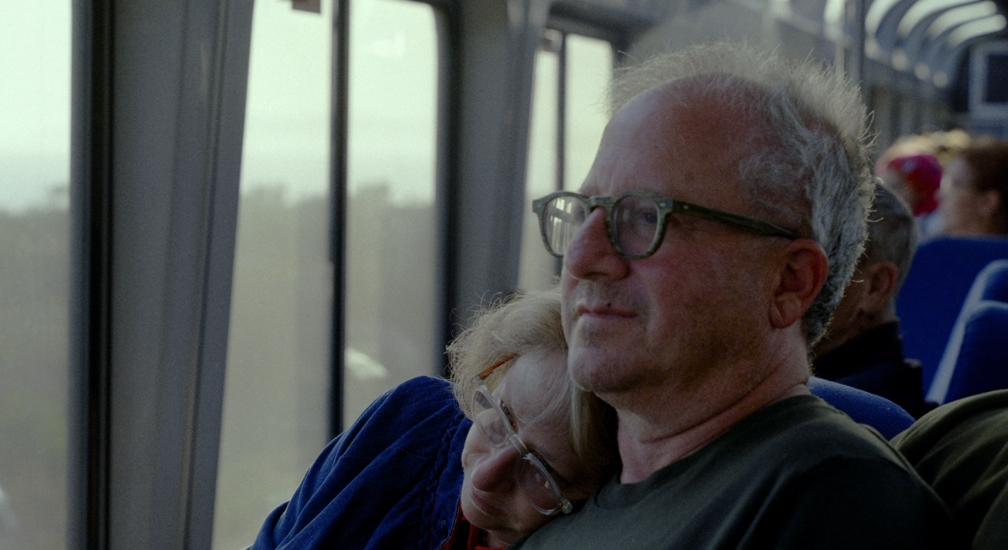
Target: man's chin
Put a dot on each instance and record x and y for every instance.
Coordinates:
(593, 371)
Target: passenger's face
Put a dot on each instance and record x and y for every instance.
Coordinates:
(845, 321)
(672, 317)
(491, 496)
(960, 201)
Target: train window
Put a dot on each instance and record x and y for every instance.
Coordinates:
(906, 108)
(392, 250)
(34, 272)
(572, 74)
(589, 71)
(882, 113)
(275, 401)
(537, 268)
(276, 404)
(997, 73)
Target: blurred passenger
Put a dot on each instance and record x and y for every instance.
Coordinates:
(941, 145)
(905, 146)
(974, 190)
(948, 144)
(412, 472)
(916, 179)
(862, 345)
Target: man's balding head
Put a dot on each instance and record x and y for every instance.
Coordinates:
(809, 164)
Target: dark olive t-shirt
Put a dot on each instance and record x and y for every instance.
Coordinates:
(796, 474)
(961, 449)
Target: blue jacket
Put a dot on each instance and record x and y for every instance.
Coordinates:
(393, 480)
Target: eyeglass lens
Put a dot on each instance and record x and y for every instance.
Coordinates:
(562, 217)
(635, 223)
(532, 475)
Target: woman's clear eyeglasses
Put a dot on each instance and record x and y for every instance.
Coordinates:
(635, 220)
(532, 475)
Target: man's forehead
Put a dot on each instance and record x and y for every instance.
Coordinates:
(673, 133)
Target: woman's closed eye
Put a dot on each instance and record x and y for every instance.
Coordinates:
(558, 478)
(508, 415)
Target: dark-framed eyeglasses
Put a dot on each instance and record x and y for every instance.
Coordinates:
(635, 220)
(489, 413)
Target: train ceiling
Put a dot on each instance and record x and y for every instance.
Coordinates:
(926, 38)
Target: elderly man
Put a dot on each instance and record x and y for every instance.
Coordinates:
(862, 346)
(711, 240)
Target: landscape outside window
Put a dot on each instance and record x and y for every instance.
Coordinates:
(34, 272)
(589, 64)
(277, 387)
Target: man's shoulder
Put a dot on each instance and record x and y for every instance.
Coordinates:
(807, 422)
(826, 466)
(803, 438)
(783, 448)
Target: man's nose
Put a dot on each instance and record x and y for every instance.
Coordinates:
(495, 471)
(590, 255)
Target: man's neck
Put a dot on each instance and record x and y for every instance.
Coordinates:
(648, 444)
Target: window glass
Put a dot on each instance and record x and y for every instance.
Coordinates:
(34, 271)
(277, 381)
(882, 116)
(589, 64)
(589, 71)
(392, 241)
(277, 388)
(537, 268)
(907, 110)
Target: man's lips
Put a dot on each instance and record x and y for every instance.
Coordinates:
(604, 310)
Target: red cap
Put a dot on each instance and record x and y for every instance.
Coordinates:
(923, 173)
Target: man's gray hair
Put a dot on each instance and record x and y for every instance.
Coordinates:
(811, 161)
(893, 235)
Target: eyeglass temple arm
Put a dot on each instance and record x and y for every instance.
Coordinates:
(486, 372)
(741, 221)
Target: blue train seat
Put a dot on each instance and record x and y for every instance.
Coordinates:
(993, 282)
(863, 407)
(990, 284)
(977, 357)
(932, 296)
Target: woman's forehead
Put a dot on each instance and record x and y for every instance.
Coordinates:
(534, 393)
(534, 384)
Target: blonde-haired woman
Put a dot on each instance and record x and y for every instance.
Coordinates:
(416, 472)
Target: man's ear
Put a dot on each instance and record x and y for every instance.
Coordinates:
(802, 274)
(880, 282)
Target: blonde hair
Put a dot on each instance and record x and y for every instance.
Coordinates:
(526, 324)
